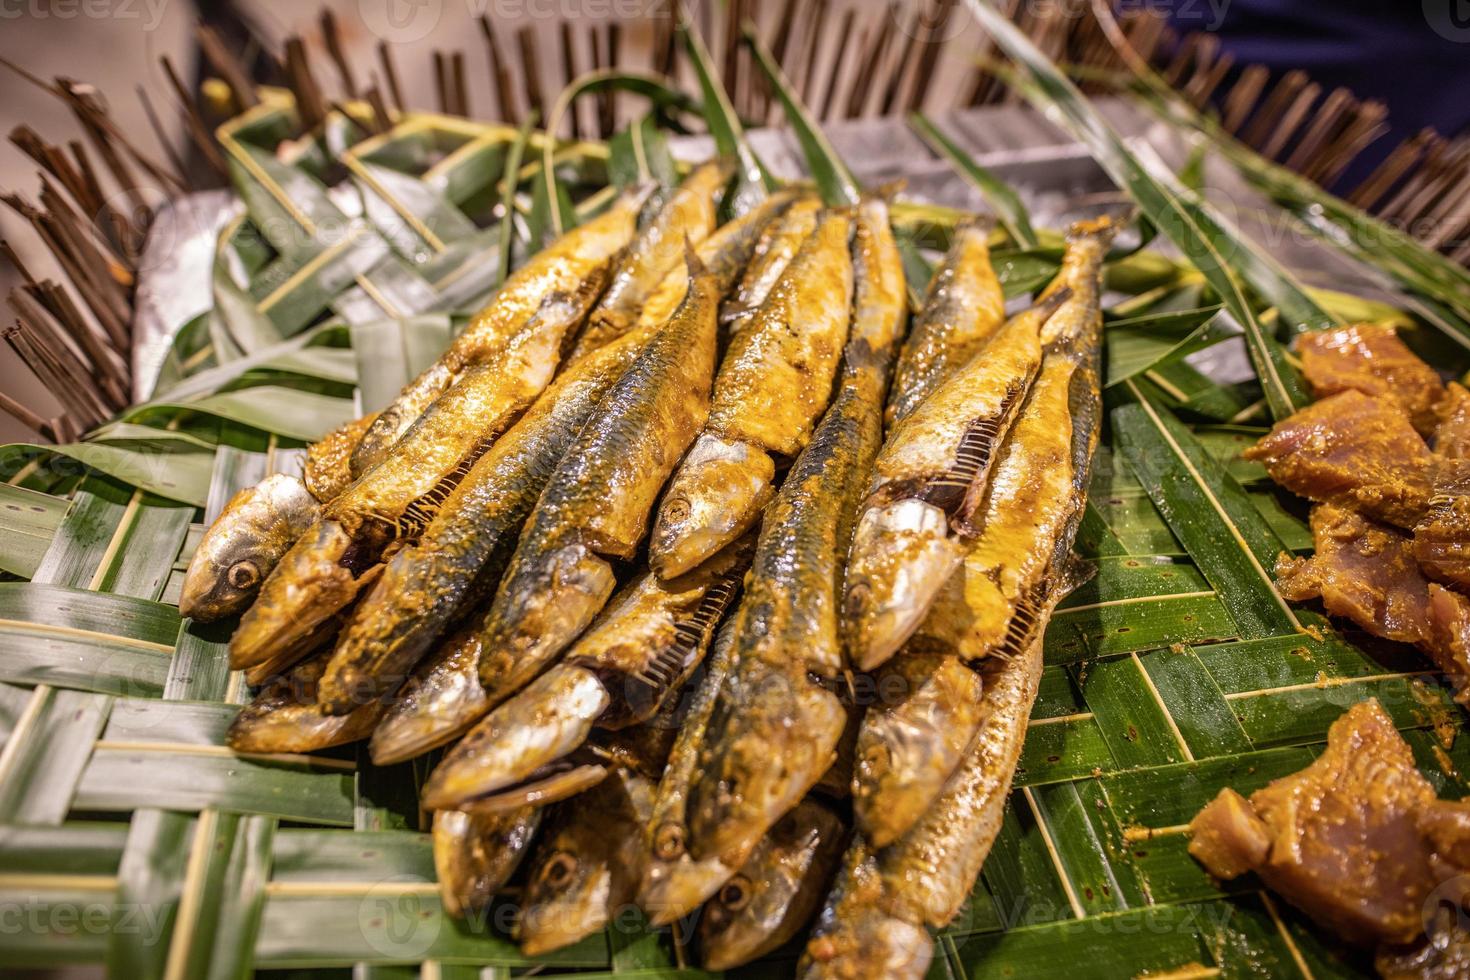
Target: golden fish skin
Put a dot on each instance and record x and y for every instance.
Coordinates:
(441, 700)
(928, 483)
(597, 502)
(674, 884)
(244, 545)
(717, 493)
(778, 245)
(725, 254)
(588, 864)
(874, 918)
(557, 269)
(777, 375)
(399, 496)
(1031, 501)
(776, 892)
(963, 307)
(544, 722)
(724, 483)
(688, 215)
(285, 717)
(475, 855)
(912, 740)
(620, 673)
(1081, 276)
(777, 703)
(463, 550)
(327, 470)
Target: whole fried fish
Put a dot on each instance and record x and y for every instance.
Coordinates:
(557, 269)
(596, 504)
(397, 499)
(640, 650)
(588, 864)
(285, 716)
(963, 307)
(924, 507)
(780, 700)
(777, 891)
(773, 383)
(244, 545)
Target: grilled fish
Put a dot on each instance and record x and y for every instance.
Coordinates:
(243, 545)
(873, 921)
(427, 585)
(556, 270)
(778, 245)
(588, 865)
(925, 504)
(689, 214)
(910, 744)
(674, 884)
(773, 383)
(327, 470)
(399, 496)
(777, 891)
(596, 504)
(780, 701)
(963, 307)
(285, 716)
(475, 855)
(640, 650)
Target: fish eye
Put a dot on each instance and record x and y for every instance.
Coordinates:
(735, 894)
(876, 757)
(668, 842)
(857, 598)
(676, 510)
(243, 574)
(559, 870)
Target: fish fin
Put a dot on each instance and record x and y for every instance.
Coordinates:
(692, 260)
(959, 490)
(421, 510)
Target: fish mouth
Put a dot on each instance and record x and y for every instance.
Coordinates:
(717, 494)
(556, 923)
(207, 594)
(312, 583)
(770, 757)
(902, 554)
(545, 722)
(673, 889)
(550, 784)
(560, 602)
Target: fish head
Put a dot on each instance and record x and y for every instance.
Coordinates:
(314, 581)
(776, 892)
(771, 741)
(243, 546)
(542, 610)
(568, 897)
(868, 943)
(674, 884)
(718, 492)
(902, 554)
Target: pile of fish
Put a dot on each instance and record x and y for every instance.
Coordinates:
(718, 595)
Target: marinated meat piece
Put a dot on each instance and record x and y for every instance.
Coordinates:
(1345, 846)
(1352, 450)
(1362, 571)
(1452, 435)
(1442, 955)
(1366, 572)
(1442, 536)
(1370, 358)
(1449, 638)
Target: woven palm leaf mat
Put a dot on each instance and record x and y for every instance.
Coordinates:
(131, 837)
